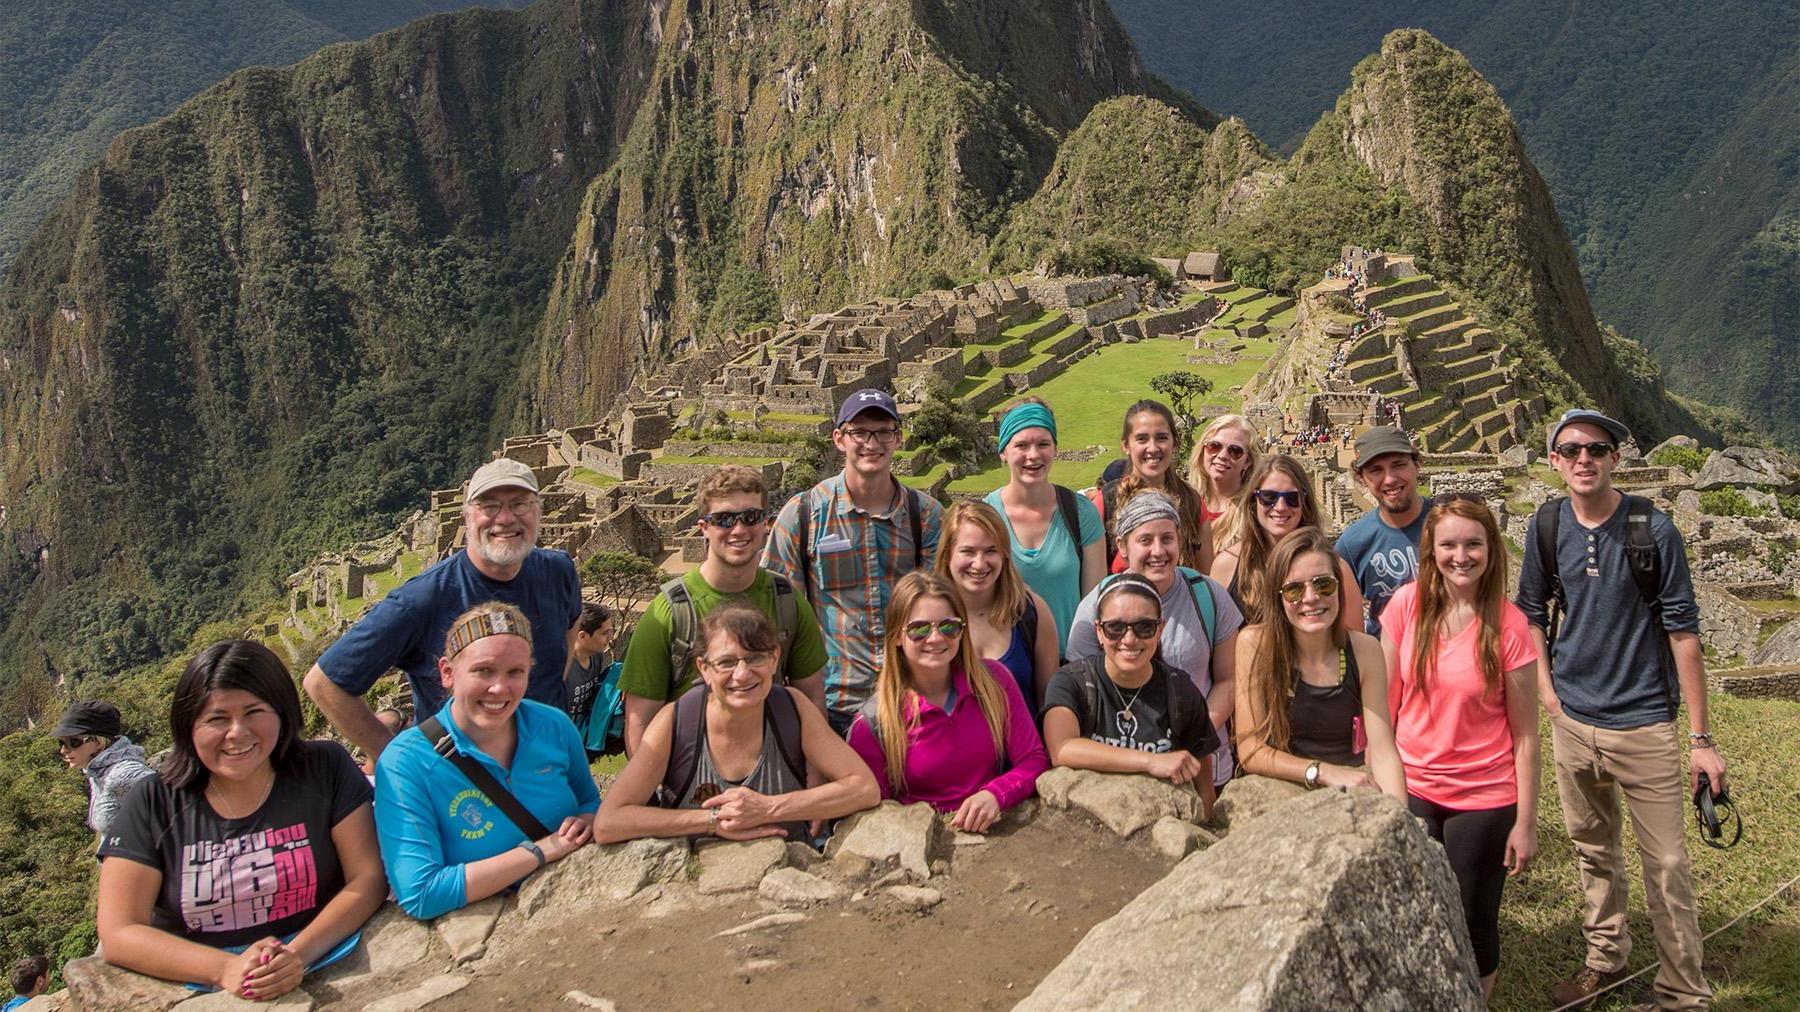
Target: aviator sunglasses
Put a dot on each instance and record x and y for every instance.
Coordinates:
(921, 630)
(1231, 450)
(727, 519)
(1325, 585)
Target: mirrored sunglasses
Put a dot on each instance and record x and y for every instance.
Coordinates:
(951, 628)
(727, 519)
(1324, 585)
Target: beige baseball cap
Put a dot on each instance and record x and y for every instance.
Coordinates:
(501, 472)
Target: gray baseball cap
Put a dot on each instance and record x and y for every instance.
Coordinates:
(1380, 440)
(1614, 428)
(501, 472)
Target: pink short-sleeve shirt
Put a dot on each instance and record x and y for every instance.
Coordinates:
(1455, 741)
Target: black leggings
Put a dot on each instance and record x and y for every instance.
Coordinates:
(1475, 842)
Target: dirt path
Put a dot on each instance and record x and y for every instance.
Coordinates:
(1011, 909)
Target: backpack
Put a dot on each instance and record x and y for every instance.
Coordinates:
(684, 623)
(805, 534)
(1207, 608)
(780, 718)
(1065, 504)
(1640, 552)
(603, 729)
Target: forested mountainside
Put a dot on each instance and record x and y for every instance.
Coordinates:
(1669, 135)
(264, 325)
(72, 75)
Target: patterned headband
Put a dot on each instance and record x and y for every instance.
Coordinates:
(479, 626)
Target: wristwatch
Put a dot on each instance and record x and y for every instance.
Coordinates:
(1312, 775)
(1701, 739)
(535, 850)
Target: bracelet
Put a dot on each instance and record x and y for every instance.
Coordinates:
(536, 851)
(712, 821)
(1701, 739)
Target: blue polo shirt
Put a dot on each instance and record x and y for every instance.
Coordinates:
(406, 629)
(431, 820)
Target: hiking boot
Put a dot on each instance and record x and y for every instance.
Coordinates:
(1580, 989)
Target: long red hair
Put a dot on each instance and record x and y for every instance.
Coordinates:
(1434, 596)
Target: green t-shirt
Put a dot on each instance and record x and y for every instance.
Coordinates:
(646, 671)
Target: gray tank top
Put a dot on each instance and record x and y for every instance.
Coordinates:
(770, 775)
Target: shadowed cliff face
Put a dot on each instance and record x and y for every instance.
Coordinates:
(796, 157)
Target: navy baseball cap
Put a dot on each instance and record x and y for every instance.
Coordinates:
(869, 399)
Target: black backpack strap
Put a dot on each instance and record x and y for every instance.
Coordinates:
(918, 525)
(1071, 515)
(1029, 619)
(1089, 675)
(684, 626)
(684, 745)
(1181, 709)
(1544, 523)
(803, 532)
(787, 615)
(1109, 507)
(1640, 551)
(477, 774)
(782, 718)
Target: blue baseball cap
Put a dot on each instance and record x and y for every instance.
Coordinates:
(869, 399)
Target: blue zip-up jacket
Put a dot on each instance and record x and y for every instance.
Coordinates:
(432, 821)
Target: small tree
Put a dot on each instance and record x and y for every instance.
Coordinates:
(1184, 390)
(950, 428)
(619, 580)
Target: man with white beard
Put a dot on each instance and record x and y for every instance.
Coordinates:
(406, 629)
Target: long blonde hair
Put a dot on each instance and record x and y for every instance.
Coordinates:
(1187, 501)
(1270, 680)
(1225, 526)
(894, 717)
(1434, 597)
(1254, 546)
(1010, 594)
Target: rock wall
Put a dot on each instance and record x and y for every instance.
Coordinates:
(1332, 901)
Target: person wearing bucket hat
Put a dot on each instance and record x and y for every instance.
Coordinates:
(848, 540)
(405, 630)
(1058, 541)
(1382, 546)
(89, 739)
(1605, 583)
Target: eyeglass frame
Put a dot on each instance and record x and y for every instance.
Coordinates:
(1232, 451)
(930, 626)
(1133, 626)
(1571, 450)
(882, 437)
(517, 507)
(1317, 583)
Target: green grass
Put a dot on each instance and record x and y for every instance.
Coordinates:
(1091, 396)
(926, 480)
(751, 461)
(777, 416)
(1753, 965)
(1025, 328)
(591, 478)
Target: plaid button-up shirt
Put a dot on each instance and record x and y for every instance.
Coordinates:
(853, 559)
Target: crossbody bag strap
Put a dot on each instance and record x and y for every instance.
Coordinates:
(444, 745)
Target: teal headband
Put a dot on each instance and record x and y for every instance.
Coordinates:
(1029, 415)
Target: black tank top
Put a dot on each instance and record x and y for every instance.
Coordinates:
(1322, 719)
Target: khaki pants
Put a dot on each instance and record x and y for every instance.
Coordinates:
(1592, 765)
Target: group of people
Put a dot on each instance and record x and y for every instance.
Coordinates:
(864, 642)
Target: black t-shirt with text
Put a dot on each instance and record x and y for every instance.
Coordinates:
(1144, 724)
(229, 882)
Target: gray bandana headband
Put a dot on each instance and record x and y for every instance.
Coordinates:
(1142, 508)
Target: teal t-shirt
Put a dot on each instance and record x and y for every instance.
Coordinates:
(1053, 569)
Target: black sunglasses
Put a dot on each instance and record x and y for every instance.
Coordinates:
(727, 519)
(1572, 451)
(73, 743)
(1446, 498)
(1115, 629)
(1269, 497)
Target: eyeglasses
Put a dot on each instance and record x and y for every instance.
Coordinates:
(1325, 585)
(920, 631)
(517, 507)
(727, 519)
(1572, 451)
(1115, 629)
(1231, 450)
(1269, 497)
(756, 659)
(885, 437)
(1446, 498)
(71, 744)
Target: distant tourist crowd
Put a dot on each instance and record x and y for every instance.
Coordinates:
(1189, 620)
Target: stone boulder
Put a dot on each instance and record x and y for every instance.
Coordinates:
(1741, 466)
(465, 931)
(1781, 649)
(911, 834)
(1128, 802)
(1251, 796)
(1673, 442)
(600, 874)
(1335, 901)
(96, 985)
(727, 867)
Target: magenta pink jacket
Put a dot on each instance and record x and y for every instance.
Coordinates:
(950, 756)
